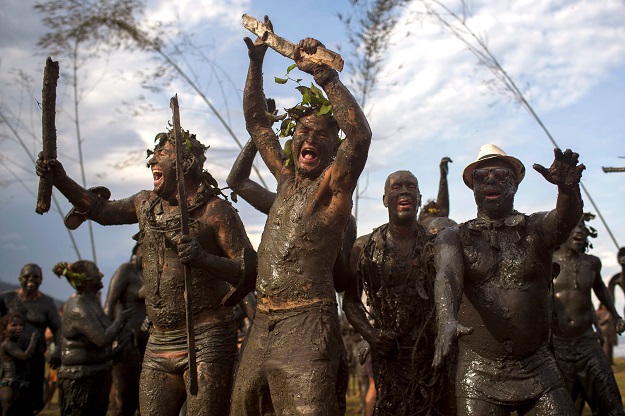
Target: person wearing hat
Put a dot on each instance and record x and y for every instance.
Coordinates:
(493, 275)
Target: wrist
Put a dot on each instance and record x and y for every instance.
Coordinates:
(323, 74)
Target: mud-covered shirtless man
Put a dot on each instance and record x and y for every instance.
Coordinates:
(294, 348)
(493, 278)
(585, 367)
(395, 267)
(216, 235)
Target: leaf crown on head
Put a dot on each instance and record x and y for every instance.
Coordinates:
(313, 101)
(75, 279)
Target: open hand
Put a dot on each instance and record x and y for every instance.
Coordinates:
(383, 342)
(564, 171)
(256, 49)
(445, 338)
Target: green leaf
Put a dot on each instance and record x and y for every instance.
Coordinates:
(280, 80)
(288, 152)
(324, 109)
(291, 67)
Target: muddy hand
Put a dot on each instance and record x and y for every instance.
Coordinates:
(189, 249)
(445, 165)
(43, 166)
(620, 326)
(384, 342)
(308, 46)
(446, 338)
(256, 49)
(564, 171)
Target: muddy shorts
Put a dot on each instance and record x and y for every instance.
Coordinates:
(507, 381)
(293, 362)
(586, 371)
(166, 351)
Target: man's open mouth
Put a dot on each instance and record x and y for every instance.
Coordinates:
(308, 154)
(157, 175)
(492, 194)
(404, 205)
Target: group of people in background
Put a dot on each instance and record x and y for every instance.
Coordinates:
(490, 316)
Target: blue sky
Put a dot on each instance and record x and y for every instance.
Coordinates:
(432, 101)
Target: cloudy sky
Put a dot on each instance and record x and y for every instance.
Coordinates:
(433, 100)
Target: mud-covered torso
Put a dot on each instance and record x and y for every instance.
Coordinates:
(298, 248)
(163, 273)
(572, 294)
(507, 273)
(37, 313)
(130, 300)
(398, 288)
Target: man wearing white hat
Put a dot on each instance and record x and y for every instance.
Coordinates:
(493, 277)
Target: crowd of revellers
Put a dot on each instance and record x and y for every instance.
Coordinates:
(487, 317)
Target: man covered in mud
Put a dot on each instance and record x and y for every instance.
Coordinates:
(577, 349)
(214, 252)
(123, 294)
(40, 313)
(394, 265)
(493, 278)
(292, 356)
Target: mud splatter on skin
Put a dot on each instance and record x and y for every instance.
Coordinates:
(493, 278)
(579, 355)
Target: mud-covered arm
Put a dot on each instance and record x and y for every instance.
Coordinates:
(565, 173)
(352, 154)
(117, 287)
(341, 270)
(94, 206)
(239, 180)
(448, 288)
(85, 321)
(382, 342)
(442, 199)
(603, 294)
(54, 323)
(255, 106)
(231, 239)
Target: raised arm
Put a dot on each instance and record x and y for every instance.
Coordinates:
(92, 205)
(448, 287)
(565, 173)
(443, 188)
(352, 154)
(255, 106)
(604, 297)
(239, 180)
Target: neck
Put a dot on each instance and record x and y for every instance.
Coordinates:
(27, 295)
(568, 253)
(492, 215)
(402, 229)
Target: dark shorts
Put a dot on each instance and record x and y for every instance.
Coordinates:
(292, 362)
(87, 395)
(507, 381)
(586, 371)
(166, 351)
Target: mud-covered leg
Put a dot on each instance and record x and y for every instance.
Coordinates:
(160, 394)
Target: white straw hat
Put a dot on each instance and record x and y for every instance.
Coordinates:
(490, 151)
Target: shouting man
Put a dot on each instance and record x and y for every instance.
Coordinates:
(292, 356)
(394, 265)
(493, 278)
(216, 235)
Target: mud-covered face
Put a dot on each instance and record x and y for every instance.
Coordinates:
(402, 197)
(621, 259)
(163, 166)
(15, 327)
(139, 258)
(30, 279)
(314, 145)
(578, 238)
(494, 187)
